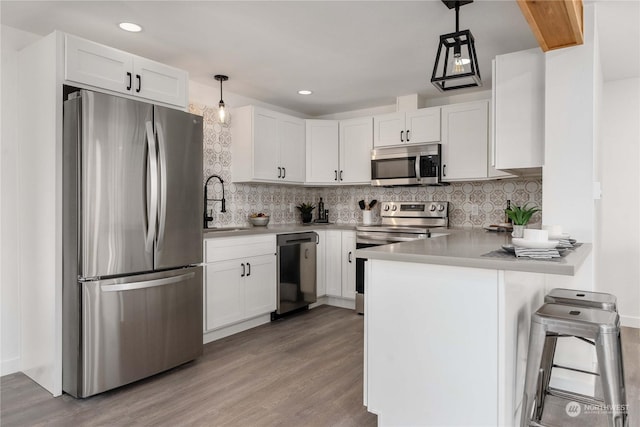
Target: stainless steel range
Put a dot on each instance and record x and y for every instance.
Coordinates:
(401, 222)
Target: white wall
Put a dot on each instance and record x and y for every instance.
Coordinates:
(12, 41)
(618, 262)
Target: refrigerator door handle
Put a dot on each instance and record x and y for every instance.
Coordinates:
(162, 153)
(153, 187)
(146, 284)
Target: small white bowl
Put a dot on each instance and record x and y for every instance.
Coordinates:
(259, 221)
(532, 234)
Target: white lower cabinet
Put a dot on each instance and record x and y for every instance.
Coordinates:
(340, 263)
(239, 279)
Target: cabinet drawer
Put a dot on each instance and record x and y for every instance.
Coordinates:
(227, 248)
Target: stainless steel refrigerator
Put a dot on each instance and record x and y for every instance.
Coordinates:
(132, 236)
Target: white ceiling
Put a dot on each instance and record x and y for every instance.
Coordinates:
(352, 54)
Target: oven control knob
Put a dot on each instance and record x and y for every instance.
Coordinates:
(440, 208)
(386, 208)
(432, 208)
(394, 208)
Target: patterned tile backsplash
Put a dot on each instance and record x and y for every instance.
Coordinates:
(342, 202)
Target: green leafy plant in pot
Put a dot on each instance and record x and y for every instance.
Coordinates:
(306, 211)
(520, 215)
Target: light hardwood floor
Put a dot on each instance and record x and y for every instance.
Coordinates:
(305, 370)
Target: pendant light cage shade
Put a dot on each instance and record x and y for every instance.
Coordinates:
(456, 64)
(223, 117)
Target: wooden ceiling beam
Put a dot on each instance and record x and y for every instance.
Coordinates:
(555, 23)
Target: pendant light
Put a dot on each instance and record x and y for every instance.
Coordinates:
(459, 67)
(223, 112)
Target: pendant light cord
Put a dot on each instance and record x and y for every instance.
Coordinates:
(457, 16)
(221, 101)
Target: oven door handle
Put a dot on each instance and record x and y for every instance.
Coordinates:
(417, 167)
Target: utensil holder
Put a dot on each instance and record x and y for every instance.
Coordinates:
(367, 217)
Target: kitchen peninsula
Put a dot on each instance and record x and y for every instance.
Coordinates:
(447, 325)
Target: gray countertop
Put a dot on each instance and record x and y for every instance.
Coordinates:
(468, 248)
(272, 229)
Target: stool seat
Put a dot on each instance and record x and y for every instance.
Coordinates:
(578, 321)
(581, 298)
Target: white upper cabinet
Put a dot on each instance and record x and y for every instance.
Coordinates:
(339, 152)
(356, 142)
(102, 67)
(323, 148)
(411, 127)
(465, 132)
(518, 102)
(267, 146)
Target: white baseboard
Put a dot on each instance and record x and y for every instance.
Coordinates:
(9, 366)
(630, 321)
(235, 328)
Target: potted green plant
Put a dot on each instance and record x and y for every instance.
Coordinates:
(520, 215)
(306, 210)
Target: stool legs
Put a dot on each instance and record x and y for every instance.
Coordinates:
(537, 338)
(609, 350)
(546, 365)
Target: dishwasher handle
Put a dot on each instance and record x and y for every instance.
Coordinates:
(297, 238)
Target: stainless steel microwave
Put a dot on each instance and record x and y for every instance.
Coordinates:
(407, 165)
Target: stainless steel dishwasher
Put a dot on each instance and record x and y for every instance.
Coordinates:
(296, 272)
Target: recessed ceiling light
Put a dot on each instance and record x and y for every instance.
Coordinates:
(304, 92)
(130, 26)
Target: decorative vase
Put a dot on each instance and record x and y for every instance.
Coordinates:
(306, 217)
(518, 231)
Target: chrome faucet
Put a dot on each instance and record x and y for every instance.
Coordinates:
(208, 218)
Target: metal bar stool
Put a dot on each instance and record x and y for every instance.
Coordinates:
(576, 298)
(601, 326)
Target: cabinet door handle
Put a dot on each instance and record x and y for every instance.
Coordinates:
(408, 135)
(341, 175)
(248, 269)
(284, 172)
(349, 256)
(444, 170)
(401, 136)
(244, 270)
(317, 239)
(139, 80)
(306, 253)
(129, 84)
(335, 172)
(279, 172)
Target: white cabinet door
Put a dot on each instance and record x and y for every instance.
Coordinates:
(160, 82)
(465, 141)
(322, 151)
(266, 146)
(260, 285)
(292, 160)
(518, 92)
(356, 140)
(348, 264)
(389, 129)
(321, 253)
(333, 262)
(96, 65)
(423, 125)
(224, 293)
